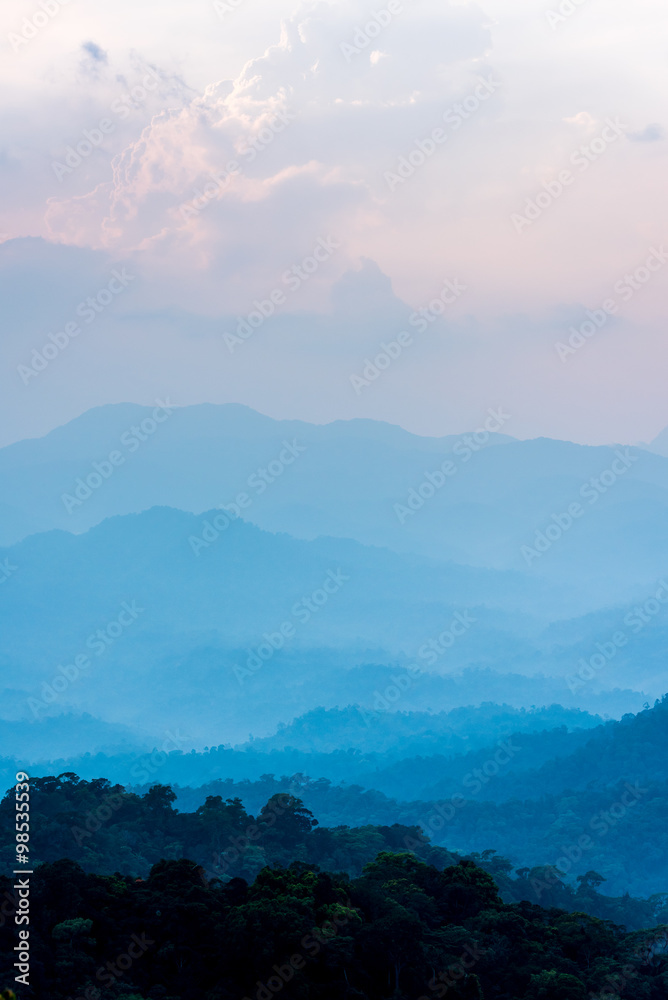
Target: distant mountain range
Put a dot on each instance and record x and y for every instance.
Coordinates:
(129, 623)
(500, 503)
(214, 568)
(582, 796)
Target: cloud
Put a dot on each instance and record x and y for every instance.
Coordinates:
(310, 133)
(94, 62)
(651, 133)
(95, 52)
(315, 129)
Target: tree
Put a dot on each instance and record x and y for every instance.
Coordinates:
(159, 798)
(590, 880)
(555, 986)
(286, 821)
(468, 889)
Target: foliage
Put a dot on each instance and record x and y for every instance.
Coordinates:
(403, 929)
(106, 829)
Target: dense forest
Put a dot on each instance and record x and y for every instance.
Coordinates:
(531, 795)
(402, 929)
(106, 829)
(534, 871)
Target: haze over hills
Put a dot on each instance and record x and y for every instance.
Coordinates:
(200, 457)
(487, 778)
(660, 443)
(135, 623)
(331, 617)
(362, 480)
(398, 734)
(334, 501)
(326, 588)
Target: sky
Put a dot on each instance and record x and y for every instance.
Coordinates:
(263, 198)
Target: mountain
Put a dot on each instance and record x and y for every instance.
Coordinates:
(660, 443)
(70, 735)
(199, 457)
(598, 802)
(134, 623)
(400, 734)
(581, 800)
(402, 754)
(501, 503)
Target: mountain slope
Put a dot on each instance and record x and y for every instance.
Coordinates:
(358, 479)
(134, 623)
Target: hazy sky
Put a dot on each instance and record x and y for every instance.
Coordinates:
(336, 195)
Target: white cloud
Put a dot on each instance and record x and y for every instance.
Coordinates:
(223, 85)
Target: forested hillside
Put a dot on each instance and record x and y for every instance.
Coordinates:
(401, 929)
(530, 795)
(107, 829)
